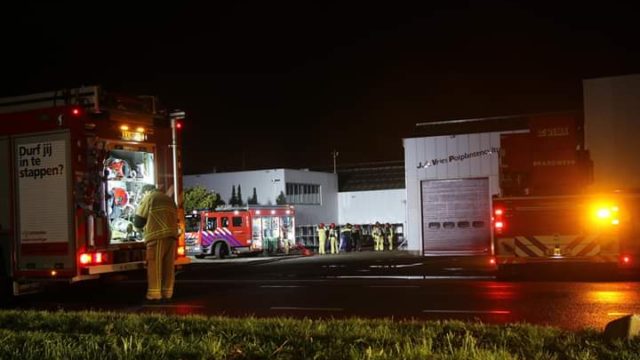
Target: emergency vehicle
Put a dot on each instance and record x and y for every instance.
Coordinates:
(243, 230)
(551, 209)
(73, 166)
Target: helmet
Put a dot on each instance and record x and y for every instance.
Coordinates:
(120, 196)
(321, 225)
(333, 225)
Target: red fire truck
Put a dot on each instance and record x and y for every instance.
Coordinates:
(73, 164)
(549, 212)
(246, 230)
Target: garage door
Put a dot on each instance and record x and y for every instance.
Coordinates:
(456, 217)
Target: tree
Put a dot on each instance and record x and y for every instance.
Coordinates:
(240, 202)
(198, 198)
(281, 199)
(233, 201)
(253, 200)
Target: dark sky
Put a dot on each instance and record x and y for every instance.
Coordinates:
(281, 84)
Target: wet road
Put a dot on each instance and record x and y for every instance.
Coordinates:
(372, 286)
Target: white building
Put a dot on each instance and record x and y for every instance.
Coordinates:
(449, 183)
(314, 194)
(373, 193)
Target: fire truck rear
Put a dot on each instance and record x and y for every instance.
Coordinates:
(73, 166)
(549, 211)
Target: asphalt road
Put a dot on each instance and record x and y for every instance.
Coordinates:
(398, 286)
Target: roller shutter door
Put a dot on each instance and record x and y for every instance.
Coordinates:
(456, 217)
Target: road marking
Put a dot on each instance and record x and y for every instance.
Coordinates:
(492, 312)
(409, 265)
(304, 308)
(410, 277)
(241, 281)
(282, 286)
(174, 306)
(376, 277)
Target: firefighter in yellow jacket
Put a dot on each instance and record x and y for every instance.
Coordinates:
(378, 237)
(157, 216)
(322, 238)
(389, 234)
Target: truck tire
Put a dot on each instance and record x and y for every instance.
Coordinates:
(221, 250)
(6, 287)
(6, 293)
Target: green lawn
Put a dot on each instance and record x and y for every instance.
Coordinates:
(97, 335)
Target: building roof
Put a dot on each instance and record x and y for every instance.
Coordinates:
(479, 125)
(371, 176)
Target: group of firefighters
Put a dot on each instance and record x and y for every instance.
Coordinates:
(350, 237)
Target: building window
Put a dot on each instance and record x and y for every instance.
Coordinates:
(303, 194)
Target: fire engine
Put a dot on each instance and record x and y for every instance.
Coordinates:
(550, 209)
(73, 166)
(240, 230)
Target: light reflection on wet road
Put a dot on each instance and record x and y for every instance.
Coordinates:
(567, 304)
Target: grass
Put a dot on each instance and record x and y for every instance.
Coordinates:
(97, 335)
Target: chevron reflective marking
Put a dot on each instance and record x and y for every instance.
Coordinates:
(537, 244)
(526, 248)
(227, 236)
(573, 244)
(508, 248)
(590, 249)
(546, 245)
(208, 237)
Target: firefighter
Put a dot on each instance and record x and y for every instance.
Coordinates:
(333, 238)
(322, 238)
(157, 216)
(345, 238)
(285, 239)
(378, 238)
(356, 238)
(388, 233)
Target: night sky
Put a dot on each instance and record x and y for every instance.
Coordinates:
(280, 84)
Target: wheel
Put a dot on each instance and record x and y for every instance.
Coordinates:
(6, 291)
(200, 256)
(221, 250)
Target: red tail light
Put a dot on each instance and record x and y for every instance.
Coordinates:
(626, 260)
(92, 258)
(85, 259)
(492, 261)
(498, 219)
